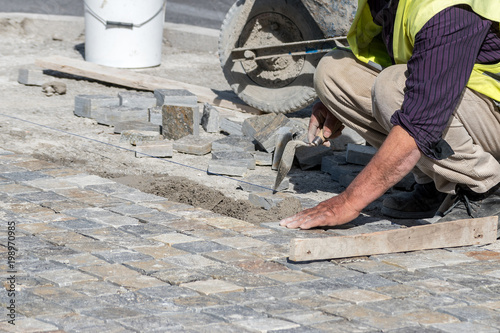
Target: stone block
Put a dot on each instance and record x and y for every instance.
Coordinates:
(266, 200)
(346, 179)
(137, 99)
(86, 105)
(266, 137)
(258, 183)
(231, 156)
(263, 159)
(231, 168)
(342, 170)
(255, 124)
(211, 287)
(310, 157)
(161, 148)
(174, 97)
(234, 143)
(135, 137)
(116, 114)
(155, 115)
(180, 120)
(210, 121)
(329, 163)
(194, 145)
(230, 127)
(136, 125)
(31, 77)
(358, 154)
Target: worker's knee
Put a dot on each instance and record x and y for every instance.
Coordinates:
(331, 74)
(388, 93)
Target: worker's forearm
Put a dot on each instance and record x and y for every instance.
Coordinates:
(395, 159)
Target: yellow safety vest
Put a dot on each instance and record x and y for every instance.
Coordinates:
(411, 16)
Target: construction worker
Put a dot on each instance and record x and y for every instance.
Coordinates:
(420, 82)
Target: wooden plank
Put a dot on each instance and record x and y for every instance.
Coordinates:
(478, 231)
(131, 79)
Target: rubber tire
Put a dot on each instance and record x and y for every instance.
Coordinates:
(296, 95)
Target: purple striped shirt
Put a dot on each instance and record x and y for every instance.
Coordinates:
(445, 50)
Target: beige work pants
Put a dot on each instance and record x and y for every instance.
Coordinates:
(364, 100)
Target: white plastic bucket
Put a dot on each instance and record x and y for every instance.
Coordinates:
(124, 33)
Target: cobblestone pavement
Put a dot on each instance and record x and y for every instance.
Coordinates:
(92, 255)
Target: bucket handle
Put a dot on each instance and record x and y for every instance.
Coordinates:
(114, 24)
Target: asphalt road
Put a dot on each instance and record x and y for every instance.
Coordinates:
(204, 13)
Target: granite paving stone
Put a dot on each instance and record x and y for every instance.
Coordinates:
(209, 287)
(98, 256)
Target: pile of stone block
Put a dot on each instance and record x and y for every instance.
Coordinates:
(165, 121)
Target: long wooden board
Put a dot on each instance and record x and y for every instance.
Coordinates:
(131, 79)
(478, 231)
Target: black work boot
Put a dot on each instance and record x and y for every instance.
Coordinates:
(467, 204)
(421, 203)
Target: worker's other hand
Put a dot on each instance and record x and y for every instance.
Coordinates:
(322, 118)
(332, 212)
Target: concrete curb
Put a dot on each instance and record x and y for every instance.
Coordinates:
(181, 36)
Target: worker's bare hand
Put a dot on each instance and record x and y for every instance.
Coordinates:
(322, 118)
(332, 212)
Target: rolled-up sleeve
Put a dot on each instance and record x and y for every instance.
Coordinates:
(444, 53)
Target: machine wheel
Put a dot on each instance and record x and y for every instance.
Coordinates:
(280, 84)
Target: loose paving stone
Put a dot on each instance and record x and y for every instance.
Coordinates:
(179, 121)
(359, 154)
(234, 143)
(310, 157)
(148, 267)
(230, 127)
(267, 200)
(258, 183)
(135, 137)
(193, 144)
(136, 125)
(266, 135)
(198, 302)
(31, 77)
(136, 282)
(263, 158)
(210, 121)
(137, 99)
(227, 168)
(261, 266)
(175, 96)
(112, 115)
(160, 252)
(238, 156)
(192, 319)
(104, 271)
(163, 148)
(78, 260)
(87, 105)
(212, 287)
